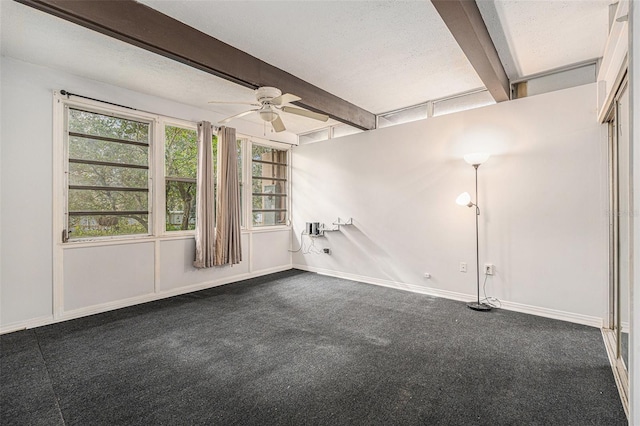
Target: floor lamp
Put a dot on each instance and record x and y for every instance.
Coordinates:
(464, 199)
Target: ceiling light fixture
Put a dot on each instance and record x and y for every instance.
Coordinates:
(268, 115)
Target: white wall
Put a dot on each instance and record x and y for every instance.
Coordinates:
(543, 197)
(91, 278)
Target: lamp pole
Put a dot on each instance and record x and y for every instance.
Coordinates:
(477, 306)
(475, 166)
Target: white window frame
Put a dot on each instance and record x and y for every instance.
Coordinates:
(162, 201)
(247, 161)
(61, 164)
(157, 202)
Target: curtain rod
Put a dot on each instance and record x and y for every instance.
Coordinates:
(67, 94)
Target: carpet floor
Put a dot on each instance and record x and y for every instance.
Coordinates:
(298, 348)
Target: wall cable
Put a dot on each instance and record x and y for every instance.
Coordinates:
(300, 248)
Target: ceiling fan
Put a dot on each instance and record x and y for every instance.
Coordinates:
(270, 103)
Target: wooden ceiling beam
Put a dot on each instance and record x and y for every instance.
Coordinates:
(142, 26)
(465, 22)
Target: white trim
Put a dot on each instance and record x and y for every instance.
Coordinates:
(157, 271)
(558, 70)
(118, 242)
(58, 204)
(614, 61)
(509, 306)
(622, 380)
(554, 314)
(150, 297)
(31, 323)
(250, 260)
(271, 228)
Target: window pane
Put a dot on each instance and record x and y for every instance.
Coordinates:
(181, 165)
(113, 152)
(240, 180)
(268, 154)
(181, 152)
(97, 175)
(181, 205)
(269, 218)
(107, 201)
(269, 202)
(105, 225)
(91, 123)
(272, 170)
(214, 147)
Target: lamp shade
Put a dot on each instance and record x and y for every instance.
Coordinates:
(463, 199)
(476, 158)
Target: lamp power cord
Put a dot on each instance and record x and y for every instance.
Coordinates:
(494, 302)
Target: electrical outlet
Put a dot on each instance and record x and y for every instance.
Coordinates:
(326, 250)
(488, 269)
(463, 266)
(427, 275)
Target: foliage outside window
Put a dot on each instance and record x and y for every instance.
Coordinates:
(108, 175)
(240, 179)
(181, 164)
(269, 186)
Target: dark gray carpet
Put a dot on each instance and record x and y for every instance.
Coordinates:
(298, 348)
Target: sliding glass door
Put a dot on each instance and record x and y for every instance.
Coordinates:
(621, 222)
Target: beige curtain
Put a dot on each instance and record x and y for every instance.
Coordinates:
(205, 213)
(228, 250)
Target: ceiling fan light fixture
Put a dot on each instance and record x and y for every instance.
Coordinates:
(268, 115)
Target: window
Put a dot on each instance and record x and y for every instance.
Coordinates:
(269, 186)
(108, 175)
(112, 177)
(181, 164)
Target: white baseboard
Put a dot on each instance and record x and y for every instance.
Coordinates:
(625, 326)
(110, 306)
(96, 309)
(23, 325)
(506, 305)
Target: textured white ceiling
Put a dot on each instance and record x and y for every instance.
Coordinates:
(536, 36)
(36, 37)
(379, 55)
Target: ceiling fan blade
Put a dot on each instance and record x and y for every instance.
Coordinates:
(285, 99)
(305, 113)
(242, 114)
(278, 125)
(234, 103)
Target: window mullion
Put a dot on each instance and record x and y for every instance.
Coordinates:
(157, 177)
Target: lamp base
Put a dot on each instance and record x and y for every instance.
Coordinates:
(478, 306)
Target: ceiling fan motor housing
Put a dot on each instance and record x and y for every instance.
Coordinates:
(265, 94)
